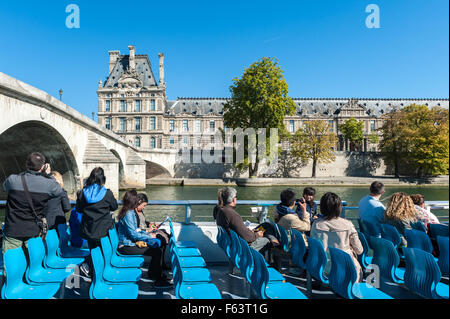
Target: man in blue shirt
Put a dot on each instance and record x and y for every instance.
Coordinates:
(370, 208)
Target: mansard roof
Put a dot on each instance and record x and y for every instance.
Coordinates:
(143, 69)
(307, 107)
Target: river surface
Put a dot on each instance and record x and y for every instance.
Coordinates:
(351, 195)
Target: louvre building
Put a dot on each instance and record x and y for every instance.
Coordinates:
(133, 104)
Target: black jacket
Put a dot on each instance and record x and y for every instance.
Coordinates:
(56, 209)
(96, 218)
(20, 221)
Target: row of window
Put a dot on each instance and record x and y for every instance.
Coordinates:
(198, 141)
(292, 125)
(197, 123)
(137, 123)
(137, 107)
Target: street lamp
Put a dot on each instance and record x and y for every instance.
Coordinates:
(60, 94)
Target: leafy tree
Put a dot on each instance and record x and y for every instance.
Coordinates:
(353, 131)
(259, 99)
(315, 142)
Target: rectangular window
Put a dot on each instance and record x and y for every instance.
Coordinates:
(138, 124)
(212, 126)
(291, 126)
(138, 141)
(199, 141)
(171, 125)
(372, 126)
(185, 125)
(152, 123)
(186, 141)
(198, 125)
(138, 106)
(172, 141)
(122, 124)
(107, 105)
(331, 125)
(152, 105)
(122, 106)
(108, 123)
(152, 142)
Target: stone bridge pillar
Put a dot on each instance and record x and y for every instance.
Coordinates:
(134, 170)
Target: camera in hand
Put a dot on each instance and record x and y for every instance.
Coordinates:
(301, 200)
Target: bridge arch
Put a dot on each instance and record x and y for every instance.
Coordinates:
(121, 169)
(153, 169)
(26, 137)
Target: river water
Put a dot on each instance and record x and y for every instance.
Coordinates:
(204, 213)
(351, 195)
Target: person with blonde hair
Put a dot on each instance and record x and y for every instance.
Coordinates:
(400, 213)
(57, 206)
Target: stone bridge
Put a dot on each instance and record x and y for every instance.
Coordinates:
(33, 121)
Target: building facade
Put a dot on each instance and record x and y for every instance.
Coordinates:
(133, 104)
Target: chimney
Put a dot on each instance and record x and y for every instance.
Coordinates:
(113, 57)
(161, 69)
(132, 63)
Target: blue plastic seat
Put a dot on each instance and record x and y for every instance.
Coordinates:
(391, 233)
(1, 264)
(15, 265)
(65, 249)
(189, 286)
(316, 260)
(100, 289)
(443, 260)
(131, 259)
(184, 243)
(422, 274)
(362, 228)
(113, 274)
(283, 236)
(343, 276)
(189, 261)
(438, 230)
(364, 259)
(52, 260)
(298, 249)
(419, 225)
(225, 240)
(418, 239)
(185, 251)
(36, 273)
(235, 248)
(386, 257)
(266, 289)
(372, 229)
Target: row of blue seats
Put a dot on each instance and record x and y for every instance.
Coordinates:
(191, 278)
(45, 272)
(266, 282)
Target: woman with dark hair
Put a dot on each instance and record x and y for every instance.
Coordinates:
(136, 241)
(337, 232)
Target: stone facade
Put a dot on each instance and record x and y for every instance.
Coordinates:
(132, 104)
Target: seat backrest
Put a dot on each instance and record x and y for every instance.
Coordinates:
(260, 274)
(391, 233)
(365, 245)
(282, 236)
(114, 238)
(246, 260)
(385, 256)
(419, 225)
(36, 253)
(15, 265)
(342, 274)
(418, 239)
(106, 251)
(362, 227)
(99, 264)
(316, 259)
(438, 230)
(52, 242)
(177, 274)
(372, 229)
(422, 272)
(226, 240)
(235, 247)
(64, 236)
(443, 261)
(298, 248)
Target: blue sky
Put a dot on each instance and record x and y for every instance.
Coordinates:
(323, 46)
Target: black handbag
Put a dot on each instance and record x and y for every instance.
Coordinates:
(41, 222)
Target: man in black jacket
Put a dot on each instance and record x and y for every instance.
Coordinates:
(21, 223)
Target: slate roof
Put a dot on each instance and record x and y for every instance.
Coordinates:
(307, 107)
(143, 68)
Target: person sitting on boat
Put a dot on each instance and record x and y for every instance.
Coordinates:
(424, 215)
(337, 232)
(228, 218)
(401, 214)
(370, 208)
(287, 217)
(149, 227)
(311, 207)
(136, 241)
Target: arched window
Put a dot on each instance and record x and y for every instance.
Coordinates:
(152, 142)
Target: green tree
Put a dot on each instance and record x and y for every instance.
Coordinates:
(353, 132)
(315, 142)
(259, 100)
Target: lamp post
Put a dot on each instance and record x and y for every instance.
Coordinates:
(60, 94)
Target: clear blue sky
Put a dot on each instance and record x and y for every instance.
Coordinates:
(323, 46)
